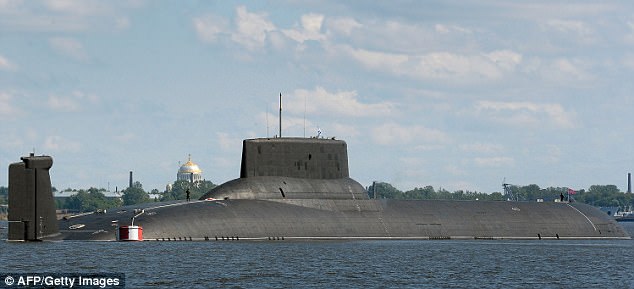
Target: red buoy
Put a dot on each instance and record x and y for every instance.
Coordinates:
(130, 233)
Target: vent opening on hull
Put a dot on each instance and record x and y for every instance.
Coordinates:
(282, 191)
(227, 238)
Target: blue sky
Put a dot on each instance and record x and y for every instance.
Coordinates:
(453, 94)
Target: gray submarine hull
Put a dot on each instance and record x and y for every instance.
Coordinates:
(314, 219)
(300, 189)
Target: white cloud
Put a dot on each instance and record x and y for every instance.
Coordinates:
(566, 69)
(310, 29)
(395, 134)
(4, 63)
(343, 25)
(63, 15)
(444, 66)
(73, 102)
(412, 38)
(210, 27)
(84, 7)
(445, 29)
(344, 103)
(400, 37)
(69, 47)
(528, 113)
(59, 103)
(568, 27)
(252, 28)
(482, 148)
(562, 71)
(58, 143)
(451, 66)
(381, 61)
(440, 65)
(504, 59)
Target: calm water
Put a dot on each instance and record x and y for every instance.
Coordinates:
(353, 264)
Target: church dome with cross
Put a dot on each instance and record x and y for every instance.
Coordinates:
(189, 172)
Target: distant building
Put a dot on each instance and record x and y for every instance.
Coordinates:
(189, 172)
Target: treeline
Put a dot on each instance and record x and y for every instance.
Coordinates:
(94, 199)
(596, 195)
(87, 200)
(179, 190)
(387, 191)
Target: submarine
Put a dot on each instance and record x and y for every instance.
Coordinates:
(295, 189)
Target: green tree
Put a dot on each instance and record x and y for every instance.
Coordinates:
(384, 191)
(91, 200)
(179, 189)
(604, 196)
(496, 196)
(135, 195)
(427, 192)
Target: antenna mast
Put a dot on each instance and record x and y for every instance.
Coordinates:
(280, 114)
(507, 191)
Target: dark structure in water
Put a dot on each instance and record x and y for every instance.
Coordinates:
(299, 188)
(31, 204)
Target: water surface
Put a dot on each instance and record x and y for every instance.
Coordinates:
(349, 264)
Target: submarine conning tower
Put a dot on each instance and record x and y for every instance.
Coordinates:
(310, 158)
(292, 168)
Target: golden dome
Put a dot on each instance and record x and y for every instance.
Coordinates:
(189, 168)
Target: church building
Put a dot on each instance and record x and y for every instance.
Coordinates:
(189, 172)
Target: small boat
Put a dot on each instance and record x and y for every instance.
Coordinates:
(627, 217)
(624, 216)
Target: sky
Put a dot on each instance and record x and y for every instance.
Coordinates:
(459, 95)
